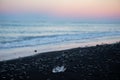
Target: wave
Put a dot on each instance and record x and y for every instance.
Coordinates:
(25, 41)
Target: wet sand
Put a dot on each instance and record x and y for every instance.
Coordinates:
(100, 62)
(8, 54)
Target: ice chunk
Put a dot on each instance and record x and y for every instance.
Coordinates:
(58, 69)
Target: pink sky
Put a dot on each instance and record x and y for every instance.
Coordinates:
(63, 8)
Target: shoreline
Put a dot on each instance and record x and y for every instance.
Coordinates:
(101, 62)
(29, 51)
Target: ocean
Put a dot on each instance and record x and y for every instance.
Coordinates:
(17, 34)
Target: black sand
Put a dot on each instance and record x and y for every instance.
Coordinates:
(101, 62)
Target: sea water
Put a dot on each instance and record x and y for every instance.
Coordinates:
(17, 34)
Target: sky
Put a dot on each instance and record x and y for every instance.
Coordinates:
(63, 8)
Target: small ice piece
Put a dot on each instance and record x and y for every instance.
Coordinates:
(58, 69)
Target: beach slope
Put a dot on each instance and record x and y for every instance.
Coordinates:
(100, 62)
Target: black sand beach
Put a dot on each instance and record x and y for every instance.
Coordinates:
(100, 62)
